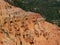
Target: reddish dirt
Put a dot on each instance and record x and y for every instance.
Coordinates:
(18, 27)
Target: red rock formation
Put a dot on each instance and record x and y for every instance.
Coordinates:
(18, 27)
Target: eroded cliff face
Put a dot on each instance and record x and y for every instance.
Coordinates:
(18, 27)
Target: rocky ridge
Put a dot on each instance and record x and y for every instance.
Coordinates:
(18, 27)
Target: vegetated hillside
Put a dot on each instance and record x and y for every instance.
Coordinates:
(49, 9)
